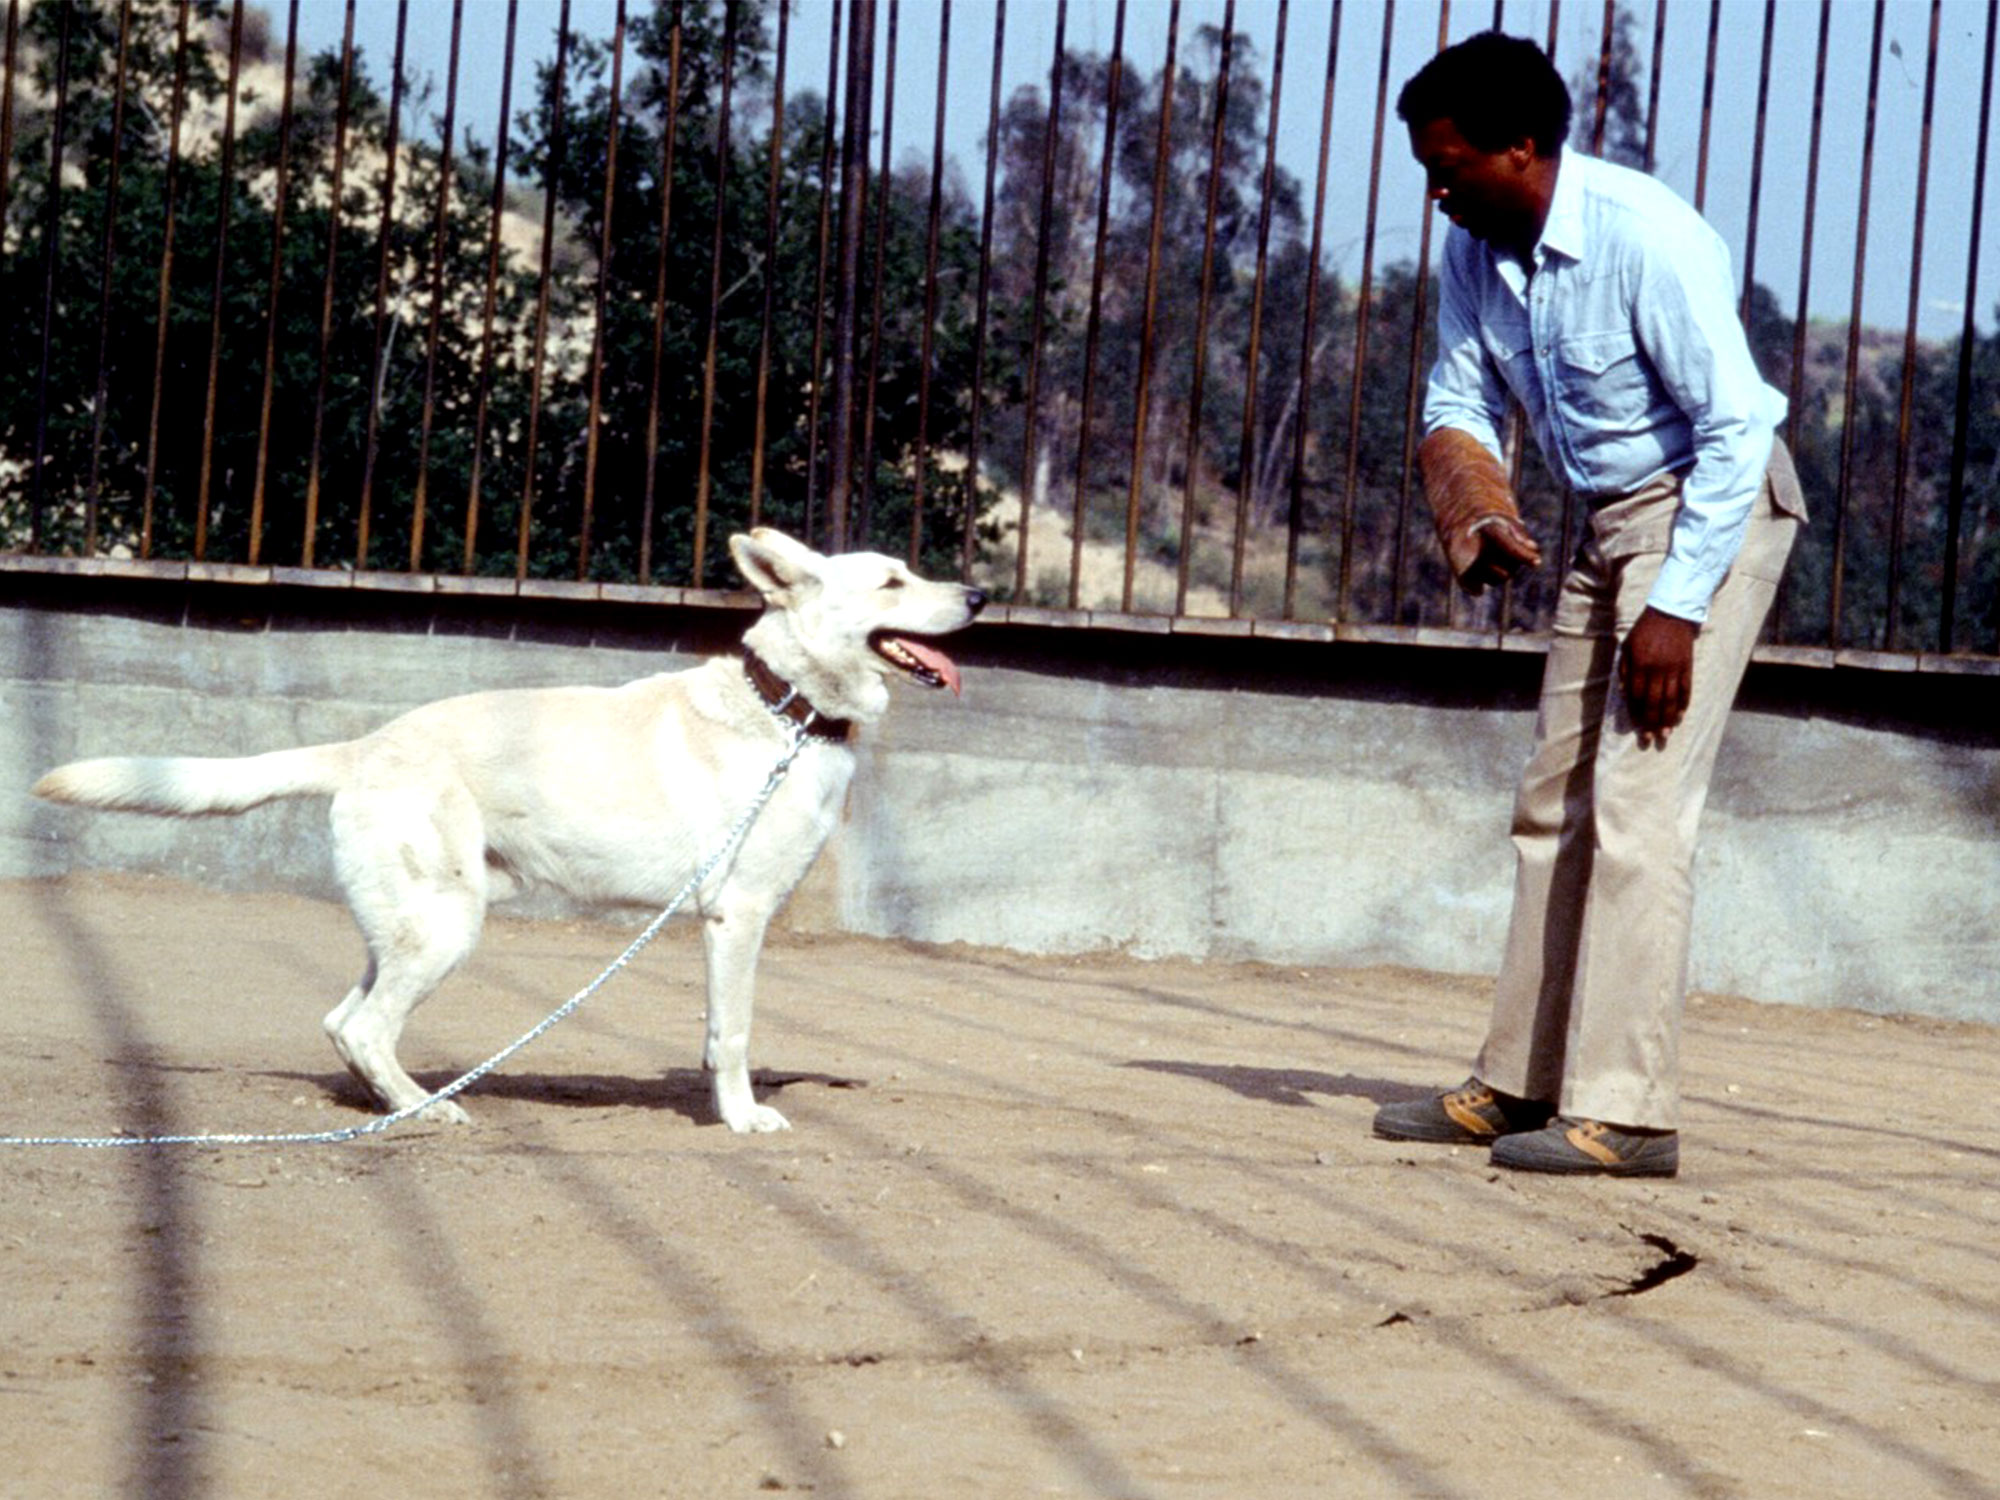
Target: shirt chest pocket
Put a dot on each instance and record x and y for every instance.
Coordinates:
(1511, 349)
(1605, 377)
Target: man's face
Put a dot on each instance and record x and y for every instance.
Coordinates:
(1493, 195)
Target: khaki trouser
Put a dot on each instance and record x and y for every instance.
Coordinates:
(1588, 1009)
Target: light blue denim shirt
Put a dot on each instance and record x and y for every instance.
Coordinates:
(1625, 351)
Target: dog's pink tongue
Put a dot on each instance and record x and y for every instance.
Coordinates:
(933, 659)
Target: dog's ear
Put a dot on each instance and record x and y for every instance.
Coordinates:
(771, 562)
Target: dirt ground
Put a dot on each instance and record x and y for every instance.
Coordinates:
(1043, 1227)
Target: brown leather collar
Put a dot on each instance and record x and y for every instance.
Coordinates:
(787, 702)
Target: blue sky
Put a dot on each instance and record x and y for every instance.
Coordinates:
(1414, 29)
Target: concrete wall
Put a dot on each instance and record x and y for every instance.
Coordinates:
(1289, 801)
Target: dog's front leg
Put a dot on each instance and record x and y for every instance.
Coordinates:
(733, 938)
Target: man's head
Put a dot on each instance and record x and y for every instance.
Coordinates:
(1487, 120)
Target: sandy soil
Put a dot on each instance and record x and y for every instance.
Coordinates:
(1044, 1227)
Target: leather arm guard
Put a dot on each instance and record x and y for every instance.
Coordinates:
(1468, 492)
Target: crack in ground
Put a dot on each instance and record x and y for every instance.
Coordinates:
(1674, 1262)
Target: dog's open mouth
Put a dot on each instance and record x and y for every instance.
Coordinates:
(921, 662)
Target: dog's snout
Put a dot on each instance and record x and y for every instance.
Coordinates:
(975, 600)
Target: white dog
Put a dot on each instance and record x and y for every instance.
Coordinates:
(608, 794)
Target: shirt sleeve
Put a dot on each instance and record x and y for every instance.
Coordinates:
(1685, 318)
(1465, 390)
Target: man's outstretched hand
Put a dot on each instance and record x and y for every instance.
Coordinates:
(1656, 672)
(1478, 523)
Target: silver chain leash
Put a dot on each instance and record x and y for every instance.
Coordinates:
(799, 736)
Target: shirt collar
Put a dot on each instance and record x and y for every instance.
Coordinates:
(1563, 232)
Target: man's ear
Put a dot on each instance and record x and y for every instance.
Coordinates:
(772, 563)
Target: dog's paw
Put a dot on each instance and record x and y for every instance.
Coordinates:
(756, 1119)
(444, 1112)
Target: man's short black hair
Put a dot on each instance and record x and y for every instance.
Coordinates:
(1496, 89)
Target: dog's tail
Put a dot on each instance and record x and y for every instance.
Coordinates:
(186, 786)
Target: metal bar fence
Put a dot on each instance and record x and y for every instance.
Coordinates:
(51, 238)
(642, 302)
(704, 470)
(558, 140)
(772, 200)
(151, 471)
(1026, 479)
(108, 260)
(669, 136)
(870, 387)
(608, 200)
(1947, 636)
(336, 200)
(419, 499)
(851, 212)
(933, 222)
(1113, 79)
(1205, 302)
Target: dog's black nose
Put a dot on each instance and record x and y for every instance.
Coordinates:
(975, 600)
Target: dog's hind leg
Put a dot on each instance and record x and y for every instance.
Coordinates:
(420, 902)
(733, 935)
(367, 1025)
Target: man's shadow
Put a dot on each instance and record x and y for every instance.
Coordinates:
(1286, 1086)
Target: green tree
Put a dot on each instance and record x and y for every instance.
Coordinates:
(250, 400)
(746, 369)
(1610, 111)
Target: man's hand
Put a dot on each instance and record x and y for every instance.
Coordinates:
(1505, 548)
(1656, 672)
(1478, 523)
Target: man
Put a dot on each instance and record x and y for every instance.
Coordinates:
(1606, 306)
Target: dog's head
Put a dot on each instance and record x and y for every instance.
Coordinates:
(839, 627)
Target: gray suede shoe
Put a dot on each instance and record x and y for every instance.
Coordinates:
(1590, 1147)
(1470, 1115)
